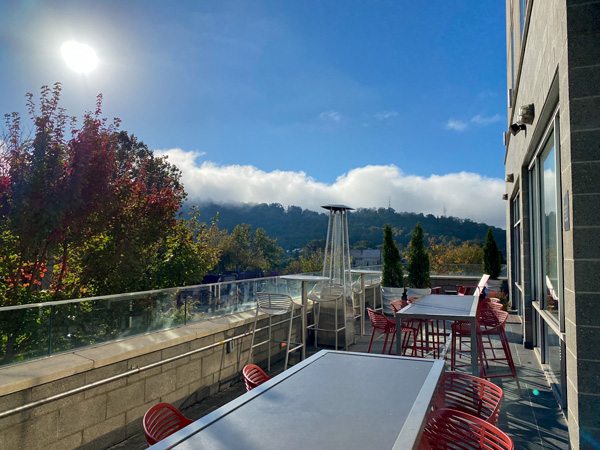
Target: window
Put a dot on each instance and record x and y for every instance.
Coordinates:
(546, 257)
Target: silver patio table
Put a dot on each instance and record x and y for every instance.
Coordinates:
(363, 274)
(305, 279)
(442, 307)
(331, 400)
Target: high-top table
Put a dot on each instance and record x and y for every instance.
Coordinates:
(442, 307)
(363, 274)
(305, 279)
(331, 400)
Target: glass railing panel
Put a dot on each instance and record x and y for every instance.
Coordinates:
(24, 334)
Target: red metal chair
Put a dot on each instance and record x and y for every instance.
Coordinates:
(410, 328)
(254, 376)
(449, 429)
(469, 394)
(381, 324)
(493, 323)
(464, 289)
(163, 420)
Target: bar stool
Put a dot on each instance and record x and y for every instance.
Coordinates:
(276, 305)
(493, 323)
(323, 292)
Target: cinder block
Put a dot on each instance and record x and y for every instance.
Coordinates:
(189, 372)
(57, 387)
(34, 434)
(123, 399)
(176, 397)
(160, 385)
(115, 426)
(70, 442)
(78, 416)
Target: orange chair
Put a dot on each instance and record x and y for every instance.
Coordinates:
(469, 394)
(254, 376)
(163, 420)
(449, 429)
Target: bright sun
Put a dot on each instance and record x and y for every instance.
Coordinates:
(79, 57)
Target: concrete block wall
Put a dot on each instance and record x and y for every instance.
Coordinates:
(580, 160)
(104, 415)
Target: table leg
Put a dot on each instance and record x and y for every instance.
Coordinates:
(474, 348)
(363, 300)
(304, 317)
(398, 334)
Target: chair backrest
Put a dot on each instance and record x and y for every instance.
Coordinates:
(162, 420)
(397, 305)
(447, 428)
(254, 376)
(273, 303)
(379, 322)
(326, 291)
(469, 394)
(464, 289)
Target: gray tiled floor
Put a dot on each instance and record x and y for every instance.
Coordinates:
(534, 421)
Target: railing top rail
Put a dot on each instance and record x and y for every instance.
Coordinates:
(126, 296)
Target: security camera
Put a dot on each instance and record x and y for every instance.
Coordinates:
(516, 127)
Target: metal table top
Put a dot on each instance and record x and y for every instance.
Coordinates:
(331, 400)
(448, 307)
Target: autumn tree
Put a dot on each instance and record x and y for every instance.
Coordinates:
(87, 210)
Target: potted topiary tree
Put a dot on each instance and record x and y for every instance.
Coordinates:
(418, 265)
(492, 261)
(392, 278)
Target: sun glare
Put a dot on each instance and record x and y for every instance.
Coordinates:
(79, 57)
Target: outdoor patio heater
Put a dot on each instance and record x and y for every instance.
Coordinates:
(336, 267)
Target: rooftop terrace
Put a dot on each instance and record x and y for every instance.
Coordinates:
(534, 421)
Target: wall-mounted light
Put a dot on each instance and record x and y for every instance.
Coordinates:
(510, 178)
(526, 114)
(516, 127)
(504, 196)
(525, 117)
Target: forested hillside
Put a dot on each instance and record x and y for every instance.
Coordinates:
(294, 227)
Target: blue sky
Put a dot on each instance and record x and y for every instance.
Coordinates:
(299, 102)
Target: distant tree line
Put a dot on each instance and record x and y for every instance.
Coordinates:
(294, 227)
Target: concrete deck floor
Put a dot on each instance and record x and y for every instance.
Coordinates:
(534, 420)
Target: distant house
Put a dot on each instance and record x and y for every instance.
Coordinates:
(365, 258)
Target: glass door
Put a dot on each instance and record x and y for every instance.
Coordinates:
(546, 258)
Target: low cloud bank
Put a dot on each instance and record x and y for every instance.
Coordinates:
(464, 195)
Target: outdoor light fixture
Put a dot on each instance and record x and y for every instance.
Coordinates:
(504, 196)
(525, 117)
(516, 127)
(509, 178)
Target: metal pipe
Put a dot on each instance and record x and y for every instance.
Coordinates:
(133, 371)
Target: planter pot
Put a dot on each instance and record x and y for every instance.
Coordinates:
(418, 292)
(494, 285)
(388, 294)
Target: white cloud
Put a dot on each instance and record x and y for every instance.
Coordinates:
(482, 120)
(464, 195)
(383, 115)
(457, 125)
(333, 116)
(479, 120)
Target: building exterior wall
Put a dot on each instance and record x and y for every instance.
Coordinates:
(557, 68)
